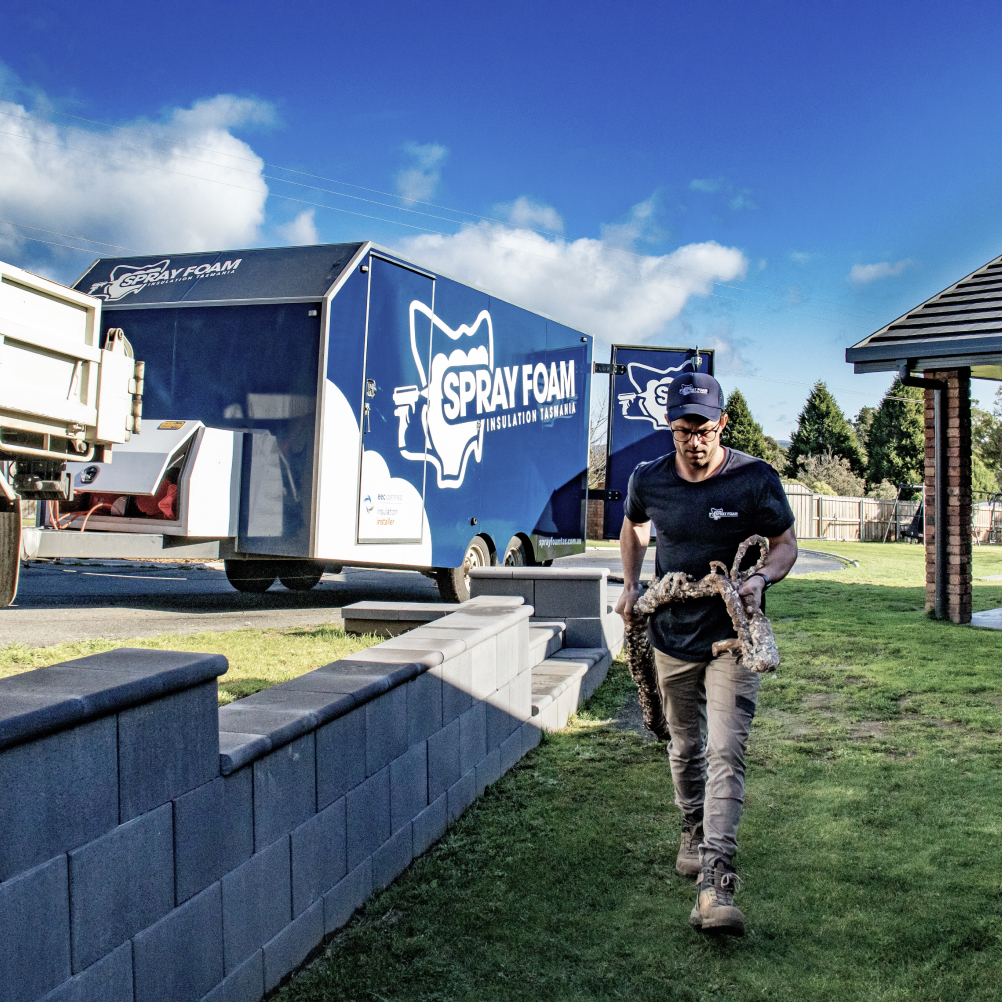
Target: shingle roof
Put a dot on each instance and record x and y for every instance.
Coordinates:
(960, 326)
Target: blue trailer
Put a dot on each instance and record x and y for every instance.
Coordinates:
(338, 404)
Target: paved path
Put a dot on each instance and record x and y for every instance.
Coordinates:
(77, 600)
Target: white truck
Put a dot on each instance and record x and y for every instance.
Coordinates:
(68, 392)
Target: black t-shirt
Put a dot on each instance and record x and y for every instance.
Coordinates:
(699, 522)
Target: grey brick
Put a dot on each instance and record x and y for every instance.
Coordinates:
(319, 856)
(392, 858)
(558, 599)
(34, 932)
(120, 884)
(213, 832)
(292, 945)
(472, 737)
(408, 785)
(368, 817)
(58, 793)
(443, 759)
(285, 790)
(429, 826)
(340, 756)
(424, 707)
(520, 699)
(584, 632)
(531, 736)
(522, 646)
(167, 747)
(510, 751)
(109, 980)
(348, 894)
(488, 771)
(498, 717)
(522, 587)
(257, 903)
(245, 984)
(507, 655)
(461, 795)
(385, 729)
(180, 958)
(485, 668)
(457, 686)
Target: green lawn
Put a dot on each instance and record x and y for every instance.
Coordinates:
(258, 658)
(870, 846)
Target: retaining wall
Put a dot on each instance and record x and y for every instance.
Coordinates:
(156, 847)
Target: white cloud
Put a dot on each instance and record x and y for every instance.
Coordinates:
(302, 229)
(114, 187)
(526, 214)
(864, 273)
(589, 284)
(640, 224)
(742, 200)
(801, 257)
(707, 185)
(418, 183)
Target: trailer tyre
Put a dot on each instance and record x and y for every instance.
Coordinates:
(10, 552)
(518, 553)
(301, 575)
(251, 575)
(454, 582)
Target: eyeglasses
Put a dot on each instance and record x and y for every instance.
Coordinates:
(684, 435)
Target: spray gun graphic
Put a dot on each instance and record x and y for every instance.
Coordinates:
(405, 398)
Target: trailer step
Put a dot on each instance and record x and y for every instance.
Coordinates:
(51, 543)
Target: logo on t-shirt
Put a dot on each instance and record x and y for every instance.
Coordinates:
(718, 513)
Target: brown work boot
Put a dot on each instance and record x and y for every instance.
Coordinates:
(715, 910)
(687, 862)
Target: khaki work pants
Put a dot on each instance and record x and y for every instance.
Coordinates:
(709, 706)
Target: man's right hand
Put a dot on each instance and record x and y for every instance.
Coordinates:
(627, 601)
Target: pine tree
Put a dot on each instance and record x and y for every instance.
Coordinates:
(743, 432)
(896, 439)
(822, 427)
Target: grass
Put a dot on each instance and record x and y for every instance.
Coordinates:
(870, 844)
(258, 658)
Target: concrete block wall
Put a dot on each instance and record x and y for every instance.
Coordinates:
(577, 596)
(154, 846)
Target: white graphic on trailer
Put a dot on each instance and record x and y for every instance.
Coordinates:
(127, 278)
(464, 389)
(651, 396)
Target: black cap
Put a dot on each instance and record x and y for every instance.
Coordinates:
(695, 393)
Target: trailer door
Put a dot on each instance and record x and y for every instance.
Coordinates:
(638, 427)
(397, 343)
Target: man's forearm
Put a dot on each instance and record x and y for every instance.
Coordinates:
(634, 538)
(782, 556)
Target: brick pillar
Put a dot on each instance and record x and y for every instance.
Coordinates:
(596, 516)
(957, 465)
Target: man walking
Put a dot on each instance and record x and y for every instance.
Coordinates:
(704, 500)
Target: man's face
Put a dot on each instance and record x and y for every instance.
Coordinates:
(699, 451)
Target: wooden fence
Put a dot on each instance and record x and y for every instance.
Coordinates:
(873, 520)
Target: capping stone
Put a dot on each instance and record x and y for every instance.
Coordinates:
(44, 700)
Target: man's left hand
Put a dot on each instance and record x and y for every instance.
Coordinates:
(751, 594)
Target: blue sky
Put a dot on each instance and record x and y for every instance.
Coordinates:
(775, 180)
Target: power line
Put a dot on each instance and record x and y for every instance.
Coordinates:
(750, 287)
(72, 236)
(836, 389)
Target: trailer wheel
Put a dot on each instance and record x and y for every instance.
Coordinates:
(251, 575)
(454, 582)
(517, 553)
(10, 552)
(301, 575)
